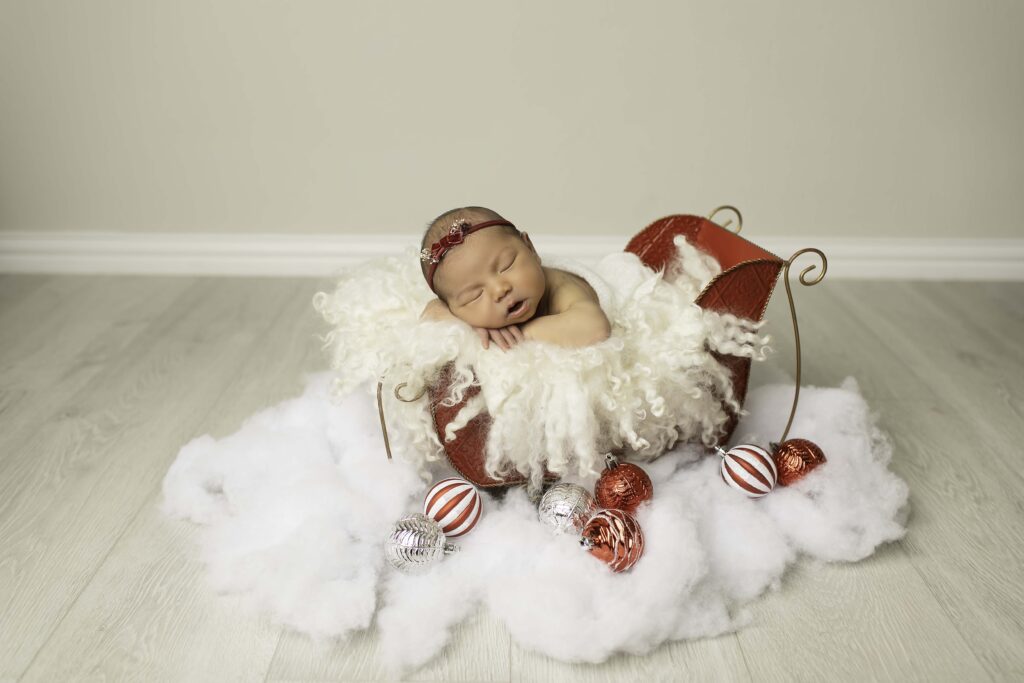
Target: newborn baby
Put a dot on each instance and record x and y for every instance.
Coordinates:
(488, 275)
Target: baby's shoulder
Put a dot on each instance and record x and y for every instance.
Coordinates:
(566, 289)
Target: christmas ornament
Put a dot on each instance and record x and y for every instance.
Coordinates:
(454, 504)
(615, 538)
(749, 469)
(415, 543)
(566, 508)
(622, 486)
(795, 458)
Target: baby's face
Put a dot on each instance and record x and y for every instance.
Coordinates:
(492, 280)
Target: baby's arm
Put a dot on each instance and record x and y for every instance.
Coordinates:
(581, 324)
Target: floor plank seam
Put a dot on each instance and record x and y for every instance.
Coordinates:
(273, 657)
(743, 656)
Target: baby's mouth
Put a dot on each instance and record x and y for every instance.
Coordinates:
(517, 308)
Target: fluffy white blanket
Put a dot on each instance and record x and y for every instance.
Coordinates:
(652, 383)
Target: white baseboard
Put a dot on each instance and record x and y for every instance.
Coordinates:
(326, 255)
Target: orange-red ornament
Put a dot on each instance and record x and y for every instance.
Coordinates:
(615, 538)
(794, 458)
(623, 486)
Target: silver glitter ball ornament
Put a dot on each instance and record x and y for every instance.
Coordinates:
(566, 508)
(415, 543)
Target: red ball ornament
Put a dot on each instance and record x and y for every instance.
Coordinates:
(795, 458)
(615, 538)
(748, 469)
(623, 486)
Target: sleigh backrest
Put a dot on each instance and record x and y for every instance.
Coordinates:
(749, 273)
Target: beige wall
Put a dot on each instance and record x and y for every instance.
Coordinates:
(876, 118)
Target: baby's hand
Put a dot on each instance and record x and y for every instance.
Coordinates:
(504, 337)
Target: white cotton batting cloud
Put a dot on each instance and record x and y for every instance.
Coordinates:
(296, 504)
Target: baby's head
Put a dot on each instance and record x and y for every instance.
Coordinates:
(492, 277)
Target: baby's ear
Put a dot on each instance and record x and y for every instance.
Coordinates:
(526, 238)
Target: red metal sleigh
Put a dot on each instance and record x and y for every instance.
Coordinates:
(743, 288)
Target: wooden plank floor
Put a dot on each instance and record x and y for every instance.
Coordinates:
(102, 379)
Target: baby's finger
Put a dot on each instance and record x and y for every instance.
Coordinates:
(510, 338)
(516, 332)
(484, 338)
(499, 340)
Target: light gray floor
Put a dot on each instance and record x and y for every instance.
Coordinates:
(102, 379)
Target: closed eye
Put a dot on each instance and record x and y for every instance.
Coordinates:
(509, 263)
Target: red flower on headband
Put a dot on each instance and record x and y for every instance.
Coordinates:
(456, 235)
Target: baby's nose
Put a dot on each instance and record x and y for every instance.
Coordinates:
(501, 291)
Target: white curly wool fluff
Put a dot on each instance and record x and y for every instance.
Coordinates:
(652, 383)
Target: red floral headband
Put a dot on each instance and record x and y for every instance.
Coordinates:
(456, 235)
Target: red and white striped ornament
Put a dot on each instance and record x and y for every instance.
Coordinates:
(749, 469)
(454, 504)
